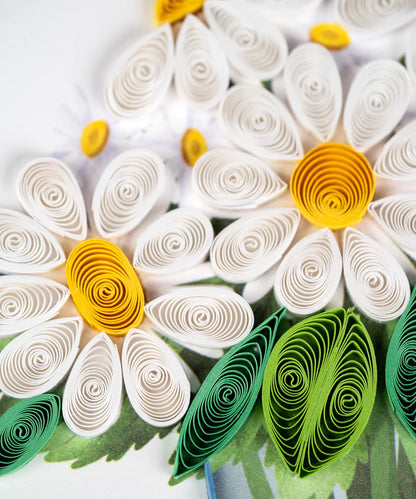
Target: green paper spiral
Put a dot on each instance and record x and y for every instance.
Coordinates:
(401, 367)
(318, 390)
(226, 398)
(25, 428)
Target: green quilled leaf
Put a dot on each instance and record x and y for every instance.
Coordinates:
(25, 428)
(318, 390)
(226, 398)
(401, 368)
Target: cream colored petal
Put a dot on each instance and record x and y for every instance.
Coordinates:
(37, 360)
(92, 397)
(155, 381)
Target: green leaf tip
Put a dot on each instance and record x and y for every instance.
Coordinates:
(226, 398)
(319, 389)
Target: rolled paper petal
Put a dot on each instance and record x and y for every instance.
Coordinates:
(258, 122)
(375, 17)
(169, 11)
(25, 428)
(397, 216)
(256, 49)
(308, 275)
(410, 58)
(92, 397)
(333, 185)
(38, 359)
(204, 316)
(26, 301)
(313, 88)
(376, 102)
(127, 191)
(252, 244)
(231, 179)
(104, 287)
(201, 73)
(155, 381)
(49, 192)
(375, 281)
(25, 246)
(225, 398)
(397, 160)
(142, 77)
(177, 241)
(319, 389)
(400, 368)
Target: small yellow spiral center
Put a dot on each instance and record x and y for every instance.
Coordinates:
(94, 138)
(193, 146)
(331, 36)
(169, 11)
(332, 185)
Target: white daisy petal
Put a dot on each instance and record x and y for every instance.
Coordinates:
(49, 192)
(397, 216)
(155, 381)
(231, 179)
(26, 246)
(313, 87)
(410, 59)
(258, 122)
(177, 241)
(397, 160)
(204, 316)
(249, 246)
(201, 74)
(256, 49)
(26, 301)
(376, 102)
(375, 281)
(376, 16)
(92, 397)
(308, 275)
(142, 77)
(38, 359)
(127, 190)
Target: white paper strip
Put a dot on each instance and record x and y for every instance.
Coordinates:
(177, 241)
(127, 190)
(308, 275)
(26, 246)
(142, 77)
(370, 16)
(397, 216)
(49, 192)
(256, 49)
(155, 381)
(92, 397)
(251, 245)
(258, 122)
(26, 301)
(204, 316)
(231, 179)
(313, 88)
(410, 58)
(397, 160)
(375, 281)
(201, 73)
(38, 359)
(376, 102)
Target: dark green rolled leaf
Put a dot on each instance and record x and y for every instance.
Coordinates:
(318, 390)
(401, 368)
(225, 398)
(25, 428)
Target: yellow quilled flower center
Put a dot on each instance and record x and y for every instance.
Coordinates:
(169, 11)
(104, 287)
(331, 36)
(94, 138)
(332, 185)
(193, 146)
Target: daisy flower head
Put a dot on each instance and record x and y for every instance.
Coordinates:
(110, 307)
